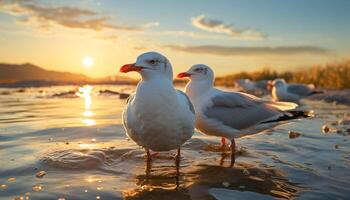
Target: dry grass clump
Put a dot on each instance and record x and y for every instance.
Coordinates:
(330, 76)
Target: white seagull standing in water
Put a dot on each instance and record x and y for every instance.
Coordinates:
(281, 91)
(231, 114)
(157, 116)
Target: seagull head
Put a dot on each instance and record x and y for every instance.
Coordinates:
(198, 72)
(243, 81)
(150, 65)
(278, 82)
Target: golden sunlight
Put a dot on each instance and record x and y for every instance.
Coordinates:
(85, 92)
(88, 62)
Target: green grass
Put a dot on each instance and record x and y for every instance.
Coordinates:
(330, 76)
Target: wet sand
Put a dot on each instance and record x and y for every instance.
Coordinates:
(80, 144)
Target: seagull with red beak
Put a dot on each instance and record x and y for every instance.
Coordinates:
(231, 114)
(157, 116)
(282, 91)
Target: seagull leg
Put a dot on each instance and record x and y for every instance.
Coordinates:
(148, 168)
(177, 163)
(149, 157)
(223, 157)
(223, 144)
(148, 164)
(233, 152)
(178, 157)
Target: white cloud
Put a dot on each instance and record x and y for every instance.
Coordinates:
(248, 51)
(218, 26)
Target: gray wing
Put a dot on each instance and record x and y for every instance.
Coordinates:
(262, 84)
(240, 111)
(299, 89)
(188, 100)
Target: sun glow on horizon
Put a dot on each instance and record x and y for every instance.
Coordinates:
(88, 62)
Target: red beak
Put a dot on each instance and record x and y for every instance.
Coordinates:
(183, 74)
(269, 85)
(130, 67)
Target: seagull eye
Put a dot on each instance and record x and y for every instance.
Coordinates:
(198, 70)
(152, 62)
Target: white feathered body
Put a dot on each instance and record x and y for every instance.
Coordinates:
(280, 93)
(158, 117)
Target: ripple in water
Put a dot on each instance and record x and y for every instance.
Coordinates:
(74, 159)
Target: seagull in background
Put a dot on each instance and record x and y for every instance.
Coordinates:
(157, 116)
(253, 87)
(231, 114)
(282, 91)
(246, 85)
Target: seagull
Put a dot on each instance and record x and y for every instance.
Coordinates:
(231, 114)
(253, 87)
(246, 85)
(281, 91)
(157, 116)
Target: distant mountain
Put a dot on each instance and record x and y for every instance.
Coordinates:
(28, 74)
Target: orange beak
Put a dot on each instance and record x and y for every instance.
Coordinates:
(183, 75)
(130, 67)
(269, 85)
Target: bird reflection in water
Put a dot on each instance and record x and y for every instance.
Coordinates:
(148, 178)
(197, 180)
(85, 92)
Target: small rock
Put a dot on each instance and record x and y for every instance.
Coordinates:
(109, 92)
(5, 93)
(293, 134)
(334, 123)
(21, 90)
(225, 184)
(12, 179)
(345, 121)
(123, 95)
(3, 187)
(325, 129)
(37, 188)
(40, 174)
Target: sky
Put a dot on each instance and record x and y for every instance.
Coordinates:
(96, 37)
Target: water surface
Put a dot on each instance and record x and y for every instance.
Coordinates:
(77, 138)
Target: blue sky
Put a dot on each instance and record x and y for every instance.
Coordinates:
(225, 34)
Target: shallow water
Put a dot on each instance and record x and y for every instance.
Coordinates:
(81, 145)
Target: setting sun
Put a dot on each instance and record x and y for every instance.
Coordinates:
(88, 62)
